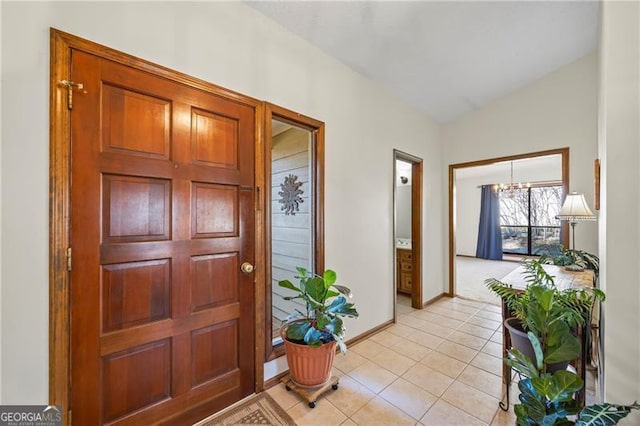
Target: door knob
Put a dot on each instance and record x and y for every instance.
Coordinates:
(246, 267)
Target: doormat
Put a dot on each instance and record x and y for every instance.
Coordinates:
(261, 409)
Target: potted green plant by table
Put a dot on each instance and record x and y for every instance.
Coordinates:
(310, 337)
(548, 315)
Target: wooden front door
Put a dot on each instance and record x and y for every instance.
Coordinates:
(162, 217)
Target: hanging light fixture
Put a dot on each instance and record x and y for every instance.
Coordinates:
(512, 186)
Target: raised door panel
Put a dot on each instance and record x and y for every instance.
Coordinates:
(135, 123)
(135, 293)
(135, 379)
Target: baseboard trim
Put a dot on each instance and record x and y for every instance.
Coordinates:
(435, 299)
(275, 380)
(359, 338)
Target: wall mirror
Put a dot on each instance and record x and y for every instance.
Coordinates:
(294, 163)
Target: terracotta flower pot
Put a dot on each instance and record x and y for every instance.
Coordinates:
(309, 366)
(521, 342)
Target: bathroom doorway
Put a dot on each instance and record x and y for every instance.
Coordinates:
(407, 230)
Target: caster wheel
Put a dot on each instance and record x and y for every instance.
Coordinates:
(312, 404)
(287, 388)
(334, 387)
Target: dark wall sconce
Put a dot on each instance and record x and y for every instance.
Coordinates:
(404, 179)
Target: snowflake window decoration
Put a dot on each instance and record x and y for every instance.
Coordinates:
(290, 195)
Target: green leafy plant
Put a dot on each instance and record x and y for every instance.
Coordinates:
(326, 305)
(577, 257)
(542, 304)
(549, 315)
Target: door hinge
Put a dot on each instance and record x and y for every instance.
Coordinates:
(69, 85)
(69, 418)
(69, 259)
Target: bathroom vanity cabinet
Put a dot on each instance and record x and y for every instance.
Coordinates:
(403, 257)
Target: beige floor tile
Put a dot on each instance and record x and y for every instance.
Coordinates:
(504, 418)
(385, 338)
(478, 404)
(493, 349)
(372, 376)
(497, 336)
(423, 315)
(493, 316)
(440, 310)
(367, 348)
(469, 302)
(428, 379)
(457, 351)
(348, 422)
(446, 321)
(284, 398)
(323, 414)
(400, 330)
(461, 307)
(402, 309)
(411, 350)
(380, 412)
(467, 340)
(483, 322)
(493, 308)
(425, 339)
(482, 381)
(444, 364)
(445, 414)
(393, 361)
(350, 396)
(348, 361)
(408, 397)
(488, 363)
(438, 330)
(411, 321)
(476, 330)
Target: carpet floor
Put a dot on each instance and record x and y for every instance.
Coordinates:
(471, 273)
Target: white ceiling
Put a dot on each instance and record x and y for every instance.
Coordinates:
(445, 58)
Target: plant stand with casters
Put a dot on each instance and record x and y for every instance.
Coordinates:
(310, 394)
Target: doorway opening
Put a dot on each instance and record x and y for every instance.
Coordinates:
(522, 190)
(407, 229)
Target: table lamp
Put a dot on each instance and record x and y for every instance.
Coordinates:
(575, 209)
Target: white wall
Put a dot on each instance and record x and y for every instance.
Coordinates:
(234, 46)
(619, 136)
(559, 110)
(468, 183)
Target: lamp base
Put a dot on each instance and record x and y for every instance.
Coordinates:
(574, 268)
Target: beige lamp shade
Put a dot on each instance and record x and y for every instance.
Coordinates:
(575, 209)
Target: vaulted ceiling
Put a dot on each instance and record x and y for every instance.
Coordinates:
(446, 58)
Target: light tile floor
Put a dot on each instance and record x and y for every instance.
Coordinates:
(437, 366)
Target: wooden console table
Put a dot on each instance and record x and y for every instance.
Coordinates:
(564, 280)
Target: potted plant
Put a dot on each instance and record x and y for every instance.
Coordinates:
(310, 337)
(547, 315)
(542, 309)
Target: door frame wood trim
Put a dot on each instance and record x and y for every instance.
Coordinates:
(564, 230)
(61, 46)
(416, 228)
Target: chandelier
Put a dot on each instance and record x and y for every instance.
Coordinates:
(512, 186)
